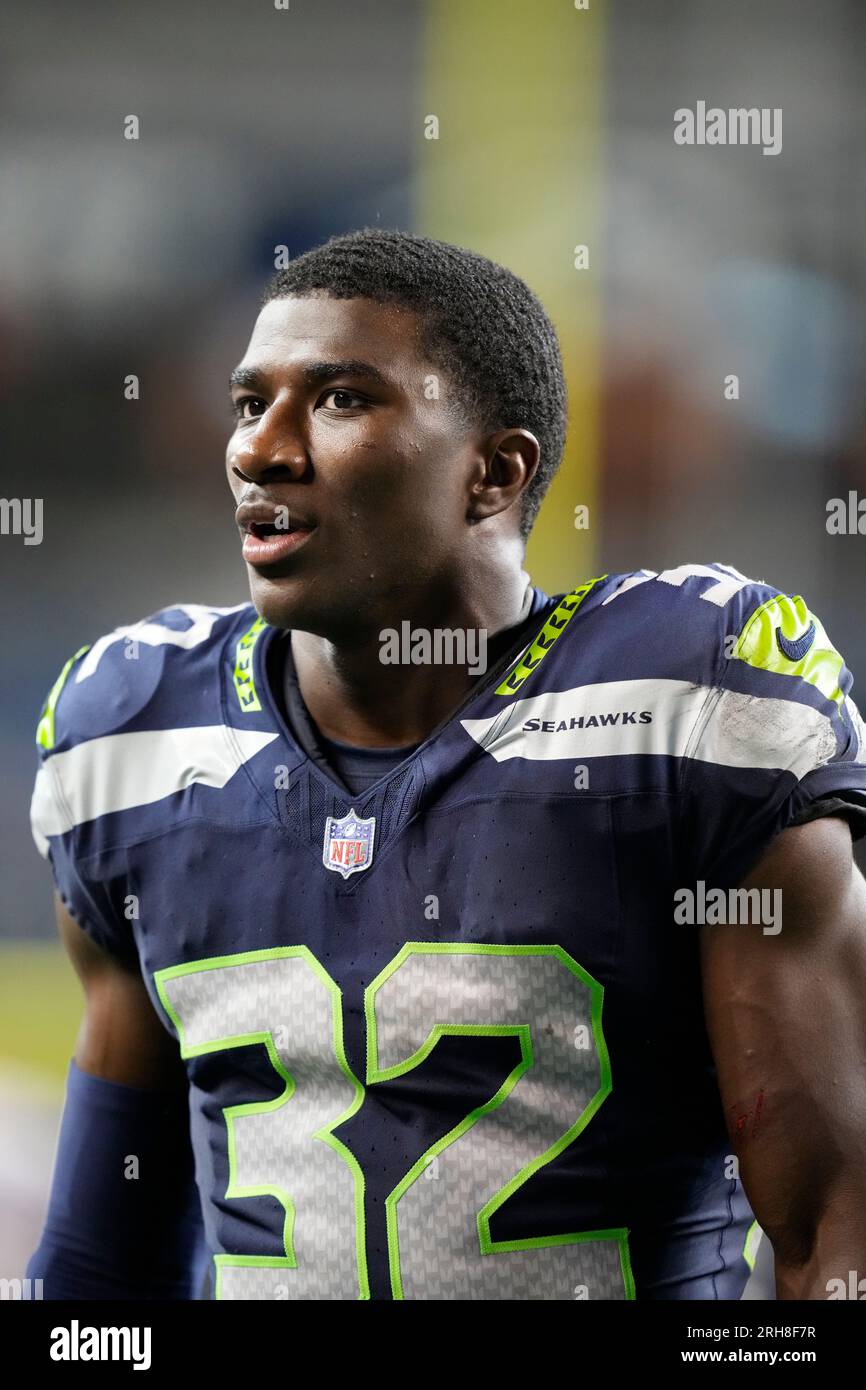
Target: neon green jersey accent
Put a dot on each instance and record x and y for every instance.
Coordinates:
(245, 684)
(757, 644)
(751, 1243)
(537, 650)
(45, 727)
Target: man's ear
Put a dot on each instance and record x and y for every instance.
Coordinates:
(506, 465)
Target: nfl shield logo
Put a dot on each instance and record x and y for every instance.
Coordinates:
(348, 844)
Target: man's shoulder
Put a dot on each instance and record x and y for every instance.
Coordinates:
(705, 595)
(159, 672)
(697, 618)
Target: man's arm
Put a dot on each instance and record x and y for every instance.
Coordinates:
(786, 1015)
(124, 1218)
(120, 1038)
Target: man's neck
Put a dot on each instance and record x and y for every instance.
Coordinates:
(356, 697)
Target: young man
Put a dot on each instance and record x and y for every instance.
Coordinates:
(433, 948)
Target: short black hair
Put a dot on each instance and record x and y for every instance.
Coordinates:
(479, 321)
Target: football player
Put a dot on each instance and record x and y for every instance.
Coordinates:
(406, 978)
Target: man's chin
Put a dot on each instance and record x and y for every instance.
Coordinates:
(277, 600)
(286, 602)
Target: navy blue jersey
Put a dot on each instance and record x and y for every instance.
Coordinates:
(445, 1039)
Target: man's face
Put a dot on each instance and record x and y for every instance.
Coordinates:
(350, 476)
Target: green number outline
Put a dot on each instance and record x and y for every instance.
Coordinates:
(521, 1031)
(288, 1261)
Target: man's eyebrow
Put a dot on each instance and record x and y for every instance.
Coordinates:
(352, 366)
(245, 376)
(252, 378)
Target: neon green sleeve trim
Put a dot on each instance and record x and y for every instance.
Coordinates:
(45, 727)
(751, 1243)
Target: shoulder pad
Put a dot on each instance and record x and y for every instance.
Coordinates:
(106, 687)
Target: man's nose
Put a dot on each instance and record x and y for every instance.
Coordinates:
(276, 448)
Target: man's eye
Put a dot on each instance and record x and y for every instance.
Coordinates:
(248, 407)
(343, 399)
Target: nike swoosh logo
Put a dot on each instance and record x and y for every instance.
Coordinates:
(795, 650)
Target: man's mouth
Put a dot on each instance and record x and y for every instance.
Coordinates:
(270, 534)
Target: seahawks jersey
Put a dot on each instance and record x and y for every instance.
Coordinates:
(445, 1038)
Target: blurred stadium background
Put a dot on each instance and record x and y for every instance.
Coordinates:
(262, 127)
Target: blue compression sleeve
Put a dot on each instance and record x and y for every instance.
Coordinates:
(109, 1235)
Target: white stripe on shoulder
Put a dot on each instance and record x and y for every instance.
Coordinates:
(120, 771)
(859, 727)
(153, 634)
(658, 717)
